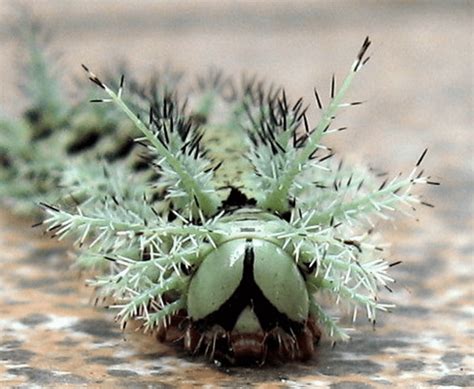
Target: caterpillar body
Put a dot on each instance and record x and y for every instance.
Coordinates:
(250, 220)
(51, 152)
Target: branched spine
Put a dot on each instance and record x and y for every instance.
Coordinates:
(276, 198)
(207, 200)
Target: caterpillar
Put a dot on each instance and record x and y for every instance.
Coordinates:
(57, 143)
(253, 220)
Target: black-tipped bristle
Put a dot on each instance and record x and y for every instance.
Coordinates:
(93, 77)
(421, 158)
(360, 55)
(50, 207)
(318, 100)
(429, 205)
(395, 263)
(333, 86)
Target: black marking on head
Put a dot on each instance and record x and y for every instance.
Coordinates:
(249, 294)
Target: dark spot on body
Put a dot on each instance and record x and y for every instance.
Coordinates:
(121, 151)
(140, 165)
(83, 142)
(5, 161)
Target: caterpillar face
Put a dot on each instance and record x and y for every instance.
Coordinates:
(248, 301)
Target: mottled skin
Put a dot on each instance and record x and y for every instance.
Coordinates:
(228, 144)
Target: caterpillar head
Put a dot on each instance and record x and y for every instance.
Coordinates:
(248, 300)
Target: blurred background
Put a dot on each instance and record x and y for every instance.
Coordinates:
(418, 89)
(418, 82)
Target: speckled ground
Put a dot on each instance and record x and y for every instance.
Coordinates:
(420, 93)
